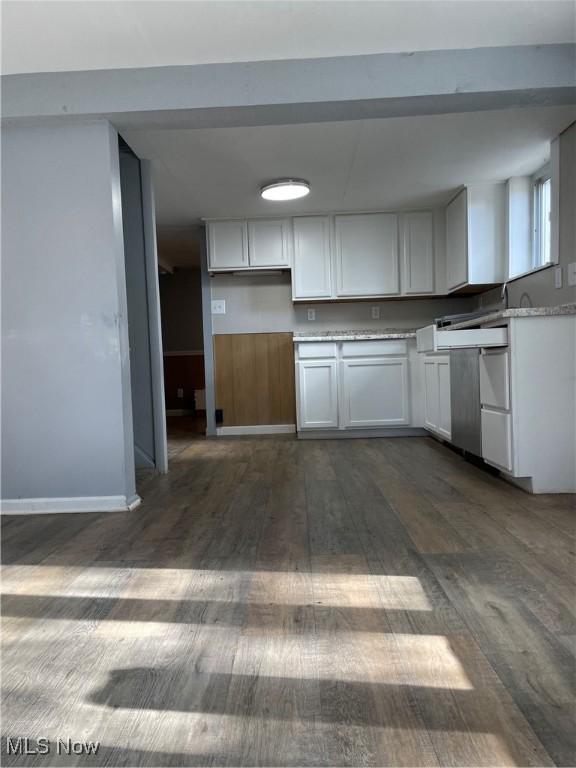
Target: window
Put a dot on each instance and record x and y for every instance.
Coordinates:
(542, 206)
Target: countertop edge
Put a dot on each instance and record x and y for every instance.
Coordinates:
(353, 337)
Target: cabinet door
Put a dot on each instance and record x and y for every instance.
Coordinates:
(268, 243)
(311, 275)
(444, 426)
(227, 244)
(457, 242)
(418, 252)
(367, 254)
(431, 395)
(317, 394)
(495, 379)
(497, 438)
(374, 392)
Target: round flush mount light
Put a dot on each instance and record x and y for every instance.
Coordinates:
(285, 189)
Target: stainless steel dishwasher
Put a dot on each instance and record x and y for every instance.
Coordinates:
(465, 400)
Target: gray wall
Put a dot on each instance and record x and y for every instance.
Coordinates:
(66, 418)
(137, 295)
(264, 304)
(537, 289)
(181, 305)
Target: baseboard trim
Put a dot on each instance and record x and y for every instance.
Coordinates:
(69, 505)
(257, 429)
(346, 434)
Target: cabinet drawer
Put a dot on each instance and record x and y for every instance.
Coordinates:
(316, 350)
(373, 348)
(495, 379)
(431, 339)
(497, 438)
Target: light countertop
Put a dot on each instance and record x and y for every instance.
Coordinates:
(491, 317)
(384, 333)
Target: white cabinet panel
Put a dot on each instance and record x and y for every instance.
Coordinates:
(475, 236)
(495, 379)
(311, 275)
(374, 348)
(227, 244)
(418, 252)
(457, 242)
(431, 402)
(497, 438)
(317, 394)
(317, 349)
(374, 392)
(367, 254)
(431, 339)
(437, 408)
(268, 242)
(444, 412)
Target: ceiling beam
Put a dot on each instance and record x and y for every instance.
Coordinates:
(308, 90)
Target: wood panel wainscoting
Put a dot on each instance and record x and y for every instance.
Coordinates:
(254, 375)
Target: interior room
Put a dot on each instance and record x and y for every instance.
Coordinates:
(288, 383)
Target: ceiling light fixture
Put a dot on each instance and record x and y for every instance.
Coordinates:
(285, 189)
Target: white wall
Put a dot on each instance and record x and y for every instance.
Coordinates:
(66, 416)
(260, 304)
(537, 289)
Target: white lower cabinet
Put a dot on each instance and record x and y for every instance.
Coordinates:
(437, 409)
(375, 392)
(352, 384)
(317, 390)
(497, 438)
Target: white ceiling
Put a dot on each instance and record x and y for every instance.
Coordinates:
(58, 36)
(396, 163)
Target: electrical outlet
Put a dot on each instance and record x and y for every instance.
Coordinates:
(218, 307)
(571, 269)
(558, 277)
(180, 393)
(311, 314)
(375, 313)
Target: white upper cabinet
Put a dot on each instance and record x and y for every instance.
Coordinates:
(366, 248)
(418, 253)
(269, 243)
(456, 242)
(475, 237)
(312, 269)
(237, 244)
(227, 244)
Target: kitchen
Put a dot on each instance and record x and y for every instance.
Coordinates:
(288, 383)
(399, 323)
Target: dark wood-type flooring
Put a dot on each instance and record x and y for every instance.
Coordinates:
(284, 603)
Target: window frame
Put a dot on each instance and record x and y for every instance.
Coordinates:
(539, 179)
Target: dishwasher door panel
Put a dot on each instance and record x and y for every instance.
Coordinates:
(465, 400)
